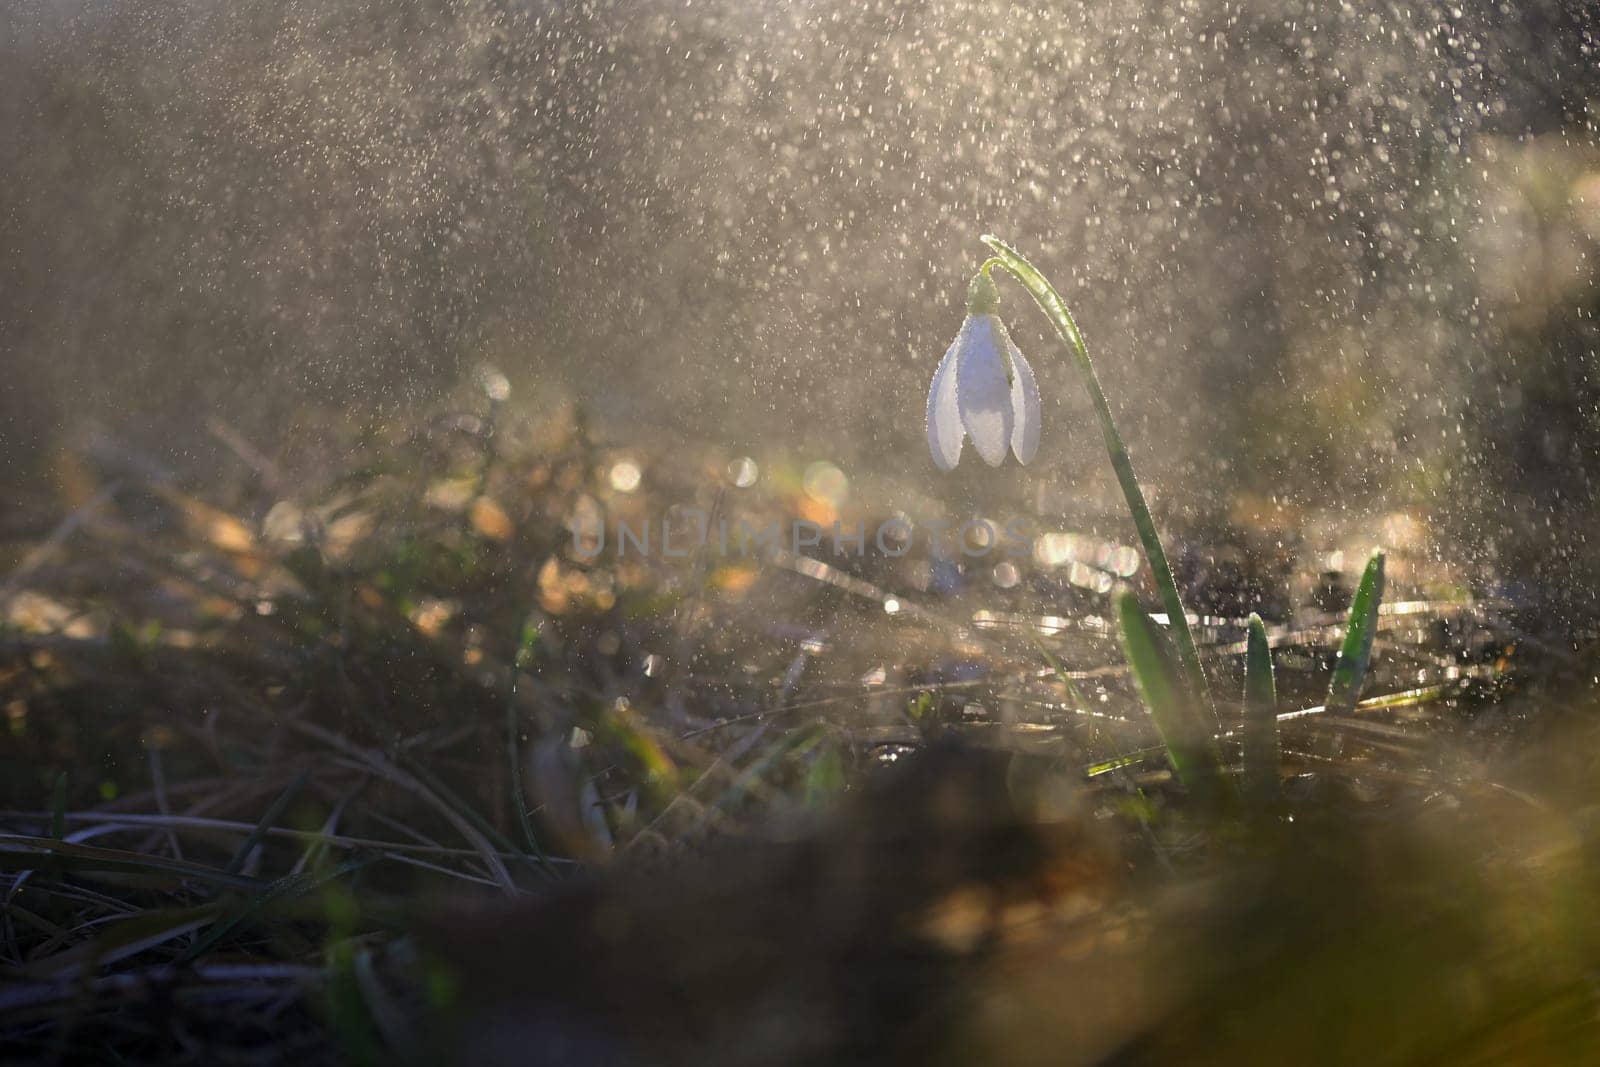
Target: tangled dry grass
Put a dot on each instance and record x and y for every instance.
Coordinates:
(380, 768)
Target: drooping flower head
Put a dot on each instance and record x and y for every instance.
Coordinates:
(983, 389)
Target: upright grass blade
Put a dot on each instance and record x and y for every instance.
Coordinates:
(1355, 654)
(1055, 309)
(1260, 719)
(1183, 728)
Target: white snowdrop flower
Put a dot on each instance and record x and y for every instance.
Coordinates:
(983, 389)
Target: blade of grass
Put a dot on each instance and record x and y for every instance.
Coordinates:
(289, 887)
(20, 853)
(1054, 663)
(796, 744)
(389, 1016)
(1184, 731)
(464, 822)
(1117, 763)
(1055, 309)
(125, 938)
(449, 796)
(519, 796)
(130, 819)
(358, 1038)
(273, 813)
(1406, 698)
(1260, 718)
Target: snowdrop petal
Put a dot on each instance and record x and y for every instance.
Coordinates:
(982, 393)
(1024, 407)
(944, 417)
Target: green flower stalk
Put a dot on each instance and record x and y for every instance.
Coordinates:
(997, 415)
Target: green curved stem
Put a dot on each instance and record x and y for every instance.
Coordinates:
(1055, 309)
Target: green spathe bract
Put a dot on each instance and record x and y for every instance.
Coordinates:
(983, 296)
(1055, 309)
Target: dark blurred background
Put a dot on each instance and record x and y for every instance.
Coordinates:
(1328, 256)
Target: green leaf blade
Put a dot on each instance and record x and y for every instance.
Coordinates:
(1261, 753)
(1355, 653)
(1183, 728)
